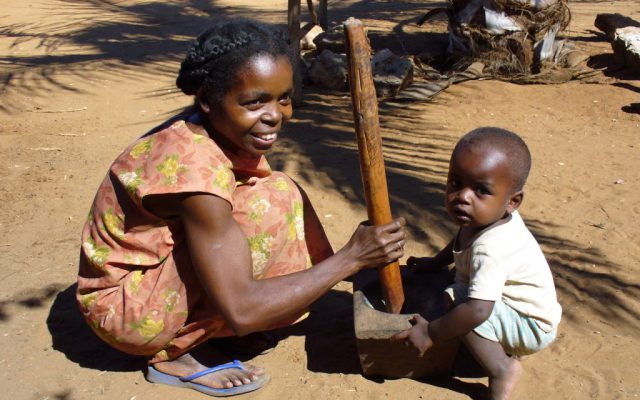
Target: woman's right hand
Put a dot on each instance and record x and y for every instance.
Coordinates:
(376, 246)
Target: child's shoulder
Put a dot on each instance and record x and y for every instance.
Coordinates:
(512, 233)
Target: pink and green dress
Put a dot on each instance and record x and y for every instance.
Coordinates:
(136, 286)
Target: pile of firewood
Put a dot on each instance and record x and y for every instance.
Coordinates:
(508, 36)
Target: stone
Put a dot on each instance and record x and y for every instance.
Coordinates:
(330, 40)
(626, 47)
(329, 70)
(608, 23)
(307, 41)
(391, 73)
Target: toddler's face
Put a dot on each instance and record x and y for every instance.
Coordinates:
(479, 187)
(252, 112)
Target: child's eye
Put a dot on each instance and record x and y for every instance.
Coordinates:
(483, 191)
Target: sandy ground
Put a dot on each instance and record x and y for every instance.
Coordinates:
(81, 79)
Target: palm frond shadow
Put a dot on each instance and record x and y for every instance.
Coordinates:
(581, 279)
(99, 38)
(416, 153)
(415, 165)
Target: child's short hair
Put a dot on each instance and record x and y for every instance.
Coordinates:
(215, 57)
(507, 142)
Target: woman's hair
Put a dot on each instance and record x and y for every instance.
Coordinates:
(215, 57)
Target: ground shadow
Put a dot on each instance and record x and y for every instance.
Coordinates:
(34, 298)
(611, 67)
(416, 154)
(125, 39)
(72, 336)
(330, 341)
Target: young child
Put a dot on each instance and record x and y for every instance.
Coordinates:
(192, 236)
(503, 302)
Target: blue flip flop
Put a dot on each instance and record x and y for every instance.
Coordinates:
(155, 376)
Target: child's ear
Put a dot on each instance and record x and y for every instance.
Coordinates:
(514, 201)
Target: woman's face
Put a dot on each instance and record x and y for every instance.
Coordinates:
(253, 110)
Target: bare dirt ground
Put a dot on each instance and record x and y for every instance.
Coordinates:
(82, 78)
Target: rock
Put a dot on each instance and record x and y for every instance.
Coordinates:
(306, 43)
(608, 23)
(626, 47)
(331, 40)
(329, 70)
(391, 73)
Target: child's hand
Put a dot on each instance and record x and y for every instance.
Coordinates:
(424, 264)
(418, 335)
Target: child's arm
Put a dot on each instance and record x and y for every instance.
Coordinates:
(460, 320)
(457, 322)
(432, 264)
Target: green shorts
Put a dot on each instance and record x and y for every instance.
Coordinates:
(518, 334)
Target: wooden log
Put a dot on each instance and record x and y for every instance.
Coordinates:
(293, 25)
(374, 181)
(312, 12)
(322, 14)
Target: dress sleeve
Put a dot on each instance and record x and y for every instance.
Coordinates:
(174, 160)
(487, 275)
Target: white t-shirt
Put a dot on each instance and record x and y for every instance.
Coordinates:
(506, 263)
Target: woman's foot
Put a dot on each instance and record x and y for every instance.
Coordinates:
(186, 365)
(501, 388)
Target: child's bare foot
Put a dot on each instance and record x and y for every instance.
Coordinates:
(186, 365)
(501, 387)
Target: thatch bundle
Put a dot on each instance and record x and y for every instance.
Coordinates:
(508, 36)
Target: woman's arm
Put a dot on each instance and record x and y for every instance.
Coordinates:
(221, 259)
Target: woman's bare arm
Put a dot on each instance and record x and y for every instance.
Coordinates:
(221, 259)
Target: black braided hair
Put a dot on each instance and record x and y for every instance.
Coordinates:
(217, 54)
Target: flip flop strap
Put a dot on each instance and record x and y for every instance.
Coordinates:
(235, 364)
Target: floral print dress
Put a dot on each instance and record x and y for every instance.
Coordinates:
(136, 286)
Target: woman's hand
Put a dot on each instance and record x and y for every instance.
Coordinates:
(376, 246)
(417, 335)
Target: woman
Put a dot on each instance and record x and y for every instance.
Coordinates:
(191, 236)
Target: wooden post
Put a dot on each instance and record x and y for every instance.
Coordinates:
(322, 14)
(374, 181)
(312, 12)
(293, 24)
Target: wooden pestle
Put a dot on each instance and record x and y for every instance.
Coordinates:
(374, 181)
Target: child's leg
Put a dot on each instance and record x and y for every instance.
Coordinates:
(503, 370)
